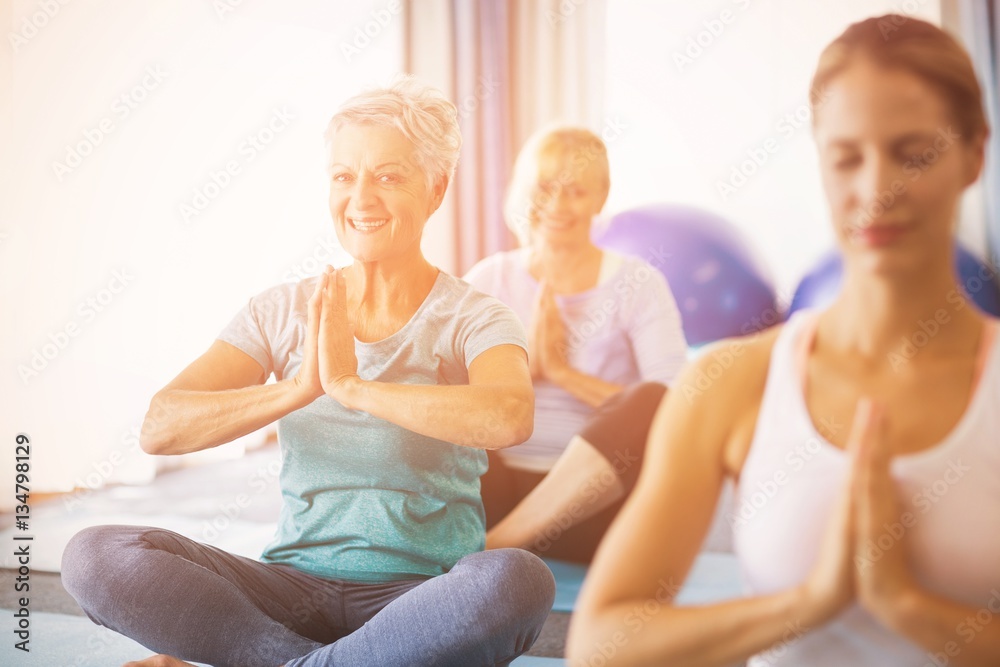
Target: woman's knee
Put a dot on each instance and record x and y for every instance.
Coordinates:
(90, 557)
(620, 426)
(518, 578)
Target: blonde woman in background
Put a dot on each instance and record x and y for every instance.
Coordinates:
(881, 544)
(604, 337)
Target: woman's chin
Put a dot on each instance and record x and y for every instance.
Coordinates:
(559, 235)
(366, 252)
(888, 262)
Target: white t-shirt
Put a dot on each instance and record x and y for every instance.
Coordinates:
(627, 329)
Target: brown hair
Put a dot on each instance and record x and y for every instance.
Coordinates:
(918, 47)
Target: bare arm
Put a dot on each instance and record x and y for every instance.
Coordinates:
(590, 389)
(495, 410)
(953, 631)
(218, 398)
(650, 548)
(222, 396)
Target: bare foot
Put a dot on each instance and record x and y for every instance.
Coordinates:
(159, 661)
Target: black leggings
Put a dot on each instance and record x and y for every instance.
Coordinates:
(618, 429)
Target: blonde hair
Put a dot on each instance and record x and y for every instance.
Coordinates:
(579, 146)
(422, 113)
(903, 42)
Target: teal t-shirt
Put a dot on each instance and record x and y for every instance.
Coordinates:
(364, 499)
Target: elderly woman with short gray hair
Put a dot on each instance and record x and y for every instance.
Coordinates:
(393, 379)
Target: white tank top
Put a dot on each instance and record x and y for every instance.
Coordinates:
(792, 477)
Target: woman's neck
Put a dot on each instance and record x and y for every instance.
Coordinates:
(877, 316)
(390, 287)
(567, 268)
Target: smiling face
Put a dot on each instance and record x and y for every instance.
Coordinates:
(379, 198)
(893, 166)
(568, 192)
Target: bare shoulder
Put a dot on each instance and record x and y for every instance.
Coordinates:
(727, 368)
(726, 384)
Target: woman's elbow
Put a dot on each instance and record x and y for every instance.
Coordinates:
(577, 653)
(156, 437)
(581, 649)
(152, 443)
(517, 419)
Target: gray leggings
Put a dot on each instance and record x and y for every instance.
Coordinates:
(196, 602)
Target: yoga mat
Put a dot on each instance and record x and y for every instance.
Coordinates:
(60, 640)
(714, 577)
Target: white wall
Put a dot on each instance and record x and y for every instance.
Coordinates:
(199, 77)
(691, 122)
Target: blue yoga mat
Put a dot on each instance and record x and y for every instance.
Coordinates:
(714, 577)
(61, 640)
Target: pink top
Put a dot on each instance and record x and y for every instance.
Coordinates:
(627, 329)
(792, 478)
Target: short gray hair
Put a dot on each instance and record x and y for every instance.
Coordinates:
(422, 113)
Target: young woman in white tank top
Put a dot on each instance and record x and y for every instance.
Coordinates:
(864, 439)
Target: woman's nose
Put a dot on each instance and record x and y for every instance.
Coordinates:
(558, 200)
(879, 187)
(363, 194)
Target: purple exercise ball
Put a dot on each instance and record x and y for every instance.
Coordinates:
(719, 284)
